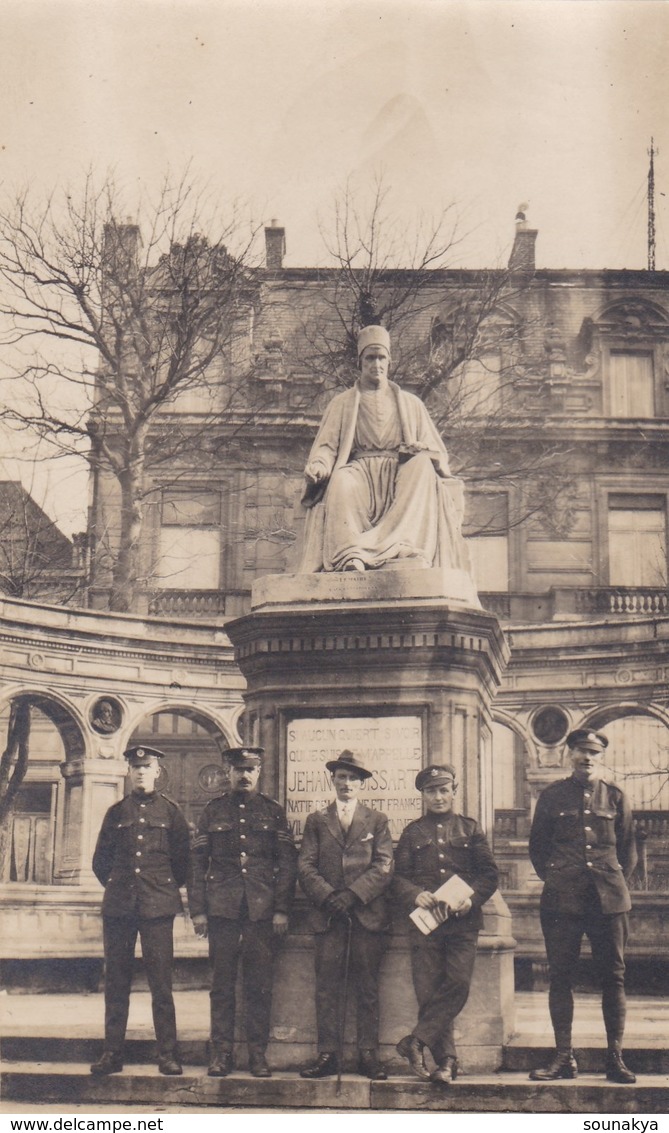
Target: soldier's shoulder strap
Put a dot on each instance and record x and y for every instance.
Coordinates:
(170, 800)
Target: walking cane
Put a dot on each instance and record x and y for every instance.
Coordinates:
(343, 1002)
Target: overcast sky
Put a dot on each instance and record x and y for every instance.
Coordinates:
(477, 103)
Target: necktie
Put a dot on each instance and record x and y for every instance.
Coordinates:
(345, 818)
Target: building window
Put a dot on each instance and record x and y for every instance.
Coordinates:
(189, 546)
(637, 758)
(637, 540)
(631, 384)
(486, 532)
(477, 385)
(509, 761)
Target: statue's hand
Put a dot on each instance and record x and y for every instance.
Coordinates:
(410, 448)
(315, 471)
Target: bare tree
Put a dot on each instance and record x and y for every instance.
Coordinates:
(382, 273)
(13, 767)
(124, 338)
(36, 558)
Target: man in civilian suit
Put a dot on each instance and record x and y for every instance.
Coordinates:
(345, 867)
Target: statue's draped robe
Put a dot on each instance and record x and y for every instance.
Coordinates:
(375, 504)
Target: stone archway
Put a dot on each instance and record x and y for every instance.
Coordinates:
(34, 832)
(193, 744)
(638, 752)
(512, 757)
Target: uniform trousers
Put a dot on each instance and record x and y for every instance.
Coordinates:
(563, 933)
(120, 936)
(255, 943)
(366, 953)
(441, 965)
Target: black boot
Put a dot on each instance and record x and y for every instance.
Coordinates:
(446, 1072)
(169, 1064)
(370, 1066)
(111, 1062)
(563, 1065)
(616, 1071)
(220, 1061)
(325, 1065)
(411, 1048)
(258, 1063)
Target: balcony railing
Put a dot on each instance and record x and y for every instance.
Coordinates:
(520, 607)
(623, 600)
(564, 601)
(497, 603)
(199, 603)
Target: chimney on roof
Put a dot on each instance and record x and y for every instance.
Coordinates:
(522, 254)
(275, 245)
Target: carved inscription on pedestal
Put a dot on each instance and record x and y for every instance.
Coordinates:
(389, 746)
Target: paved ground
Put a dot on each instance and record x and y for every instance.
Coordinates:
(81, 1016)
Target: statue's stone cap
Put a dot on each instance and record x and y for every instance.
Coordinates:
(373, 336)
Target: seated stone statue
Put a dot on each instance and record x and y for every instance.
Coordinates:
(379, 490)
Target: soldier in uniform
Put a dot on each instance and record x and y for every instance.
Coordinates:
(430, 851)
(243, 880)
(345, 867)
(582, 847)
(141, 858)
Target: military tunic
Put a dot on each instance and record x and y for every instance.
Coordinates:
(244, 870)
(431, 850)
(141, 858)
(582, 846)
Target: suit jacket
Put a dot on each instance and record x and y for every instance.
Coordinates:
(360, 860)
(142, 856)
(583, 836)
(243, 853)
(435, 847)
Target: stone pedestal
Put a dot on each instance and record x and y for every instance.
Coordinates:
(382, 664)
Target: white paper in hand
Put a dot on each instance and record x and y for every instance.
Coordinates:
(453, 892)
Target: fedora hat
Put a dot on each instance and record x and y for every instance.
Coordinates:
(348, 762)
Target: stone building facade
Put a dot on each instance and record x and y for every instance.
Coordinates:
(554, 404)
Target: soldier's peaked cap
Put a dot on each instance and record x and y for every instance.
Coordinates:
(244, 756)
(435, 775)
(347, 761)
(584, 737)
(141, 755)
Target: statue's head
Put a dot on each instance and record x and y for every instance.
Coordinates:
(373, 357)
(373, 336)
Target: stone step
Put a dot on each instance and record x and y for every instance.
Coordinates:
(591, 1059)
(519, 1056)
(71, 1084)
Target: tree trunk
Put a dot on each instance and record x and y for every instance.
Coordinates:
(13, 767)
(126, 590)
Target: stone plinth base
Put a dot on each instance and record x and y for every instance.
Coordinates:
(400, 666)
(397, 584)
(485, 1025)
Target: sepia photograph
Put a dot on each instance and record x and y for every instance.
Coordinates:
(334, 575)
